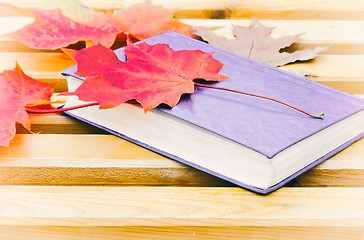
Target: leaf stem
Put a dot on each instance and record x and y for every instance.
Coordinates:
(58, 110)
(318, 116)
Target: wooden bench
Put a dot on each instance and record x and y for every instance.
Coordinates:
(73, 181)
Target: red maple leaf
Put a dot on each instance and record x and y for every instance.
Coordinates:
(18, 90)
(52, 30)
(146, 20)
(152, 74)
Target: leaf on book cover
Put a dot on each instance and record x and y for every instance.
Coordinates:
(52, 30)
(145, 20)
(151, 75)
(255, 42)
(18, 90)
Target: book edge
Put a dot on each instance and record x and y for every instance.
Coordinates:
(241, 184)
(314, 163)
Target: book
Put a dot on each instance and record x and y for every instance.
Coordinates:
(254, 143)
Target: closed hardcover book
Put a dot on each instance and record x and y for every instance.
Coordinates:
(252, 142)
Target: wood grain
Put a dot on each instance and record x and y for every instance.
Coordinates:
(57, 123)
(81, 160)
(179, 206)
(176, 232)
(286, 9)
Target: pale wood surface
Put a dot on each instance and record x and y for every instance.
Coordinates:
(73, 181)
(187, 206)
(38, 160)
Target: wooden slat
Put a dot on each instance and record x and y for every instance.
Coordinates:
(56, 123)
(12, 46)
(342, 36)
(332, 66)
(349, 88)
(329, 6)
(179, 206)
(176, 232)
(309, 9)
(313, 31)
(81, 160)
(45, 63)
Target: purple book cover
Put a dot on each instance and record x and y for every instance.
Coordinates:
(264, 126)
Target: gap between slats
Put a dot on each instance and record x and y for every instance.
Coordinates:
(179, 233)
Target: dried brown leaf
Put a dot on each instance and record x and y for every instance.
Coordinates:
(255, 42)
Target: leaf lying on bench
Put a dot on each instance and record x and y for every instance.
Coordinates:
(18, 90)
(255, 42)
(146, 20)
(52, 29)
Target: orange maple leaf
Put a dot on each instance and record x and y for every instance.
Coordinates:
(18, 90)
(52, 30)
(146, 20)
